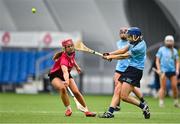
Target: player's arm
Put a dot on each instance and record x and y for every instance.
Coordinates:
(158, 65)
(120, 51)
(65, 74)
(177, 60)
(177, 67)
(77, 67)
(119, 56)
(157, 61)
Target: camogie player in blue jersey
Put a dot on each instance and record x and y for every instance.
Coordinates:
(167, 62)
(136, 52)
(120, 68)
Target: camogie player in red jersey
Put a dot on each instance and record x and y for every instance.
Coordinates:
(60, 77)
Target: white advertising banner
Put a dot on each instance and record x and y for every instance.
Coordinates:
(36, 39)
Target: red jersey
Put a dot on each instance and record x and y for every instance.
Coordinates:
(68, 61)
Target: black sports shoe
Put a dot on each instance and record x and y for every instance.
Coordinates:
(117, 108)
(145, 103)
(177, 105)
(146, 112)
(106, 115)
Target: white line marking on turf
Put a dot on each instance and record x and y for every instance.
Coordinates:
(62, 112)
(87, 123)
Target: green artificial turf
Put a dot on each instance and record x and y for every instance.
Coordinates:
(46, 108)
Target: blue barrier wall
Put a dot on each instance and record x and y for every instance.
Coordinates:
(17, 65)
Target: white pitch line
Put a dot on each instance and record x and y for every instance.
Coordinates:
(62, 112)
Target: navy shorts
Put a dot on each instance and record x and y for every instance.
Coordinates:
(132, 76)
(119, 72)
(57, 74)
(170, 74)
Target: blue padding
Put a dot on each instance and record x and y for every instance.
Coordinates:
(1, 65)
(39, 55)
(23, 68)
(31, 62)
(15, 67)
(6, 67)
(49, 62)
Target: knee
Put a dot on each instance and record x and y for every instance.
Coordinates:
(124, 97)
(62, 90)
(163, 88)
(174, 87)
(117, 90)
(116, 81)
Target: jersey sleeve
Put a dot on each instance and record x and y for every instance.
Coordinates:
(159, 53)
(136, 50)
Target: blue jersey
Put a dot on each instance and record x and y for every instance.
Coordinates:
(137, 55)
(167, 59)
(122, 64)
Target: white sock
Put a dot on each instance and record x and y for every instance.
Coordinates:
(161, 102)
(68, 107)
(86, 109)
(176, 101)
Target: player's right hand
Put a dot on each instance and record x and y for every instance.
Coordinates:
(66, 83)
(106, 54)
(159, 72)
(107, 58)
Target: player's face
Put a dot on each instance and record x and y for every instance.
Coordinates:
(123, 34)
(169, 43)
(69, 48)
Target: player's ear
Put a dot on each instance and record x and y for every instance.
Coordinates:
(141, 37)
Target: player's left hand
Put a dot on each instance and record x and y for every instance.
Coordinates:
(78, 70)
(66, 83)
(106, 54)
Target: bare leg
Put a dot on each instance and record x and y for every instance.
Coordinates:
(60, 87)
(175, 90)
(116, 96)
(76, 92)
(162, 90)
(138, 92)
(126, 90)
(173, 80)
(80, 97)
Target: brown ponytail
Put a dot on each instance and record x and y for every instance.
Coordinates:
(172, 52)
(57, 55)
